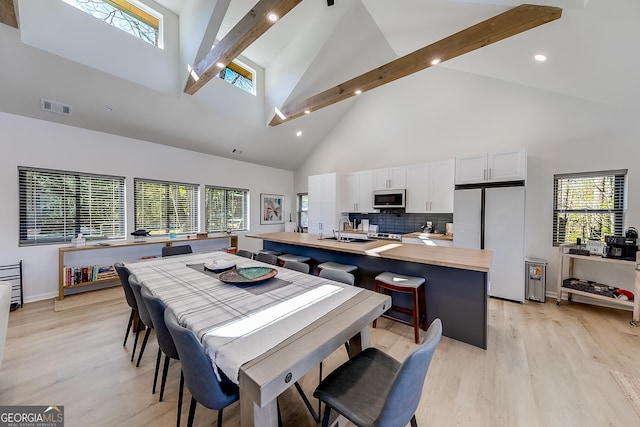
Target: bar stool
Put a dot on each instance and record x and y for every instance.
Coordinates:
(266, 251)
(405, 284)
(291, 257)
(330, 265)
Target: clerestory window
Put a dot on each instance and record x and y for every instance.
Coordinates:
(239, 75)
(127, 15)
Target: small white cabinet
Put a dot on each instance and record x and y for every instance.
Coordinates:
(386, 178)
(323, 203)
(496, 166)
(356, 192)
(430, 187)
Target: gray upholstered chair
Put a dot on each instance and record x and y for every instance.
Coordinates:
(266, 258)
(372, 389)
(144, 315)
(297, 266)
(123, 274)
(176, 250)
(245, 253)
(5, 307)
(338, 276)
(198, 372)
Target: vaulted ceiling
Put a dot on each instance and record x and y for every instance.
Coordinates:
(311, 49)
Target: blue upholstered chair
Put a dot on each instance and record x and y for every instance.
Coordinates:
(372, 389)
(176, 250)
(144, 315)
(198, 372)
(123, 274)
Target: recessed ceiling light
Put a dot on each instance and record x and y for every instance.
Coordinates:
(219, 65)
(358, 92)
(540, 58)
(299, 133)
(307, 111)
(272, 17)
(435, 61)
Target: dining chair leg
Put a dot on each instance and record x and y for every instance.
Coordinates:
(192, 412)
(126, 334)
(164, 375)
(413, 421)
(155, 376)
(180, 394)
(144, 344)
(220, 418)
(325, 418)
(305, 399)
(135, 343)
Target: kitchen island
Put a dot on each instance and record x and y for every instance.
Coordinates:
(456, 279)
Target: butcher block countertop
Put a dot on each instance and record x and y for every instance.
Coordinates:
(465, 259)
(429, 236)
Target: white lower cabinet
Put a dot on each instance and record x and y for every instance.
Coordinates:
(428, 242)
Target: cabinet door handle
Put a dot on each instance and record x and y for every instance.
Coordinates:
(489, 173)
(484, 174)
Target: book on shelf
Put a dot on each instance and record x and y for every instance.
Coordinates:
(87, 274)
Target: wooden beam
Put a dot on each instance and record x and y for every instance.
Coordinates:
(8, 14)
(251, 26)
(507, 24)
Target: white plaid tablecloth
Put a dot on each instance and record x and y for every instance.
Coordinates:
(238, 323)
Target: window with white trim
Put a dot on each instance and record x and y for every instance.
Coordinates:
(163, 207)
(129, 16)
(588, 205)
(226, 209)
(56, 206)
(239, 75)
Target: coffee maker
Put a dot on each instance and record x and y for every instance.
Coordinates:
(622, 247)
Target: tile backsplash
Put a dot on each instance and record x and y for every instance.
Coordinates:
(402, 223)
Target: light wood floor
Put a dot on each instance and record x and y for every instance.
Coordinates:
(545, 366)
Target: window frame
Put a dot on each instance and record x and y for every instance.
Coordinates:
(301, 210)
(71, 201)
(170, 186)
(226, 227)
(618, 198)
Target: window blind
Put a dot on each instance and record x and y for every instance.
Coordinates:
(162, 207)
(226, 209)
(588, 206)
(55, 206)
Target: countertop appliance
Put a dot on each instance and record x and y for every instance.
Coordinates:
(493, 218)
(384, 236)
(389, 199)
(621, 248)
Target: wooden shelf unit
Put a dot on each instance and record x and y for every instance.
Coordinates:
(564, 255)
(118, 248)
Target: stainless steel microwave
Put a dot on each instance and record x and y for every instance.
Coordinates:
(389, 199)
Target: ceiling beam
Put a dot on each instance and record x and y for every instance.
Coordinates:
(507, 24)
(251, 26)
(8, 14)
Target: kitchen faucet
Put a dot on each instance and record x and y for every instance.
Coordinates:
(340, 224)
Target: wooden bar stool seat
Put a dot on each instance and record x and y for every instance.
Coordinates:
(405, 284)
(347, 268)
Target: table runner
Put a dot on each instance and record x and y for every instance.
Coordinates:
(236, 324)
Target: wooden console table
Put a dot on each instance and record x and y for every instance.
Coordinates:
(86, 261)
(564, 256)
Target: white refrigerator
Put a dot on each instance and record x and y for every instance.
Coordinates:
(493, 218)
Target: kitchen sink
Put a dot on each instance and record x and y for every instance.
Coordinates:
(347, 240)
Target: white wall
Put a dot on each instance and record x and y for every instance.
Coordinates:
(440, 113)
(36, 143)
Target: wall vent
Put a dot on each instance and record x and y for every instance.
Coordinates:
(55, 107)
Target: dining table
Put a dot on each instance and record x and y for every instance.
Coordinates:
(263, 326)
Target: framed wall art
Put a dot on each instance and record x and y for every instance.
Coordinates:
(271, 209)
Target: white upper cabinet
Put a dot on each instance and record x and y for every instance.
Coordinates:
(430, 187)
(492, 167)
(356, 190)
(323, 203)
(395, 177)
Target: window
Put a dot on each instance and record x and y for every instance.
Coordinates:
(56, 206)
(165, 207)
(239, 75)
(303, 210)
(226, 209)
(129, 16)
(588, 206)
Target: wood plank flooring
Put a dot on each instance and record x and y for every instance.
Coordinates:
(545, 366)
